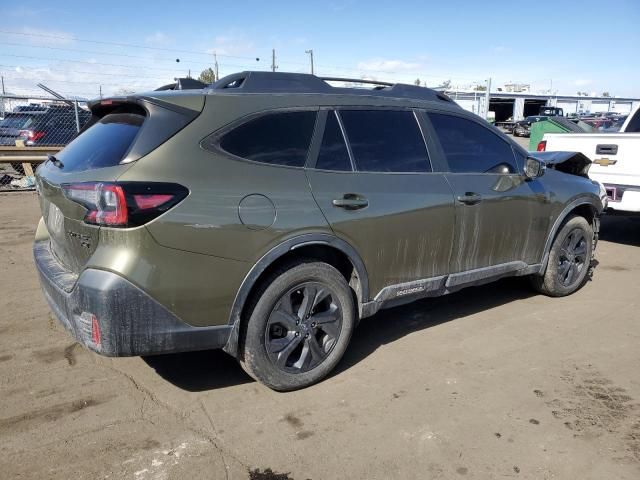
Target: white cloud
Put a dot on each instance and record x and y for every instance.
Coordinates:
(581, 82)
(85, 82)
(232, 43)
(46, 37)
(388, 66)
(158, 39)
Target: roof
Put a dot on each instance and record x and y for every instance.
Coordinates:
(296, 83)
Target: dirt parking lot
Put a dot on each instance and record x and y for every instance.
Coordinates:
(491, 382)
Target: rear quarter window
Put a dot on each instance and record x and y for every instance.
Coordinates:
(281, 138)
(16, 121)
(104, 144)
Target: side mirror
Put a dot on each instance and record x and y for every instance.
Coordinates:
(534, 168)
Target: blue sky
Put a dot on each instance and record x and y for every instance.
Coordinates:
(561, 45)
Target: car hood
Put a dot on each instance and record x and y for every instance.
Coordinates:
(574, 163)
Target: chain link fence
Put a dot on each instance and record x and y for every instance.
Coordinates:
(32, 128)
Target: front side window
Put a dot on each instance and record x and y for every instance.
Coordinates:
(470, 147)
(385, 141)
(333, 153)
(281, 138)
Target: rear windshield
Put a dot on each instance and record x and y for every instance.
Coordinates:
(103, 144)
(16, 121)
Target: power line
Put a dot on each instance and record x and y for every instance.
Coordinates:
(34, 69)
(117, 44)
(147, 47)
(106, 64)
(51, 80)
(95, 52)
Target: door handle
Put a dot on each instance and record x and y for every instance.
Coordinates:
(351, 201)
(469, 198)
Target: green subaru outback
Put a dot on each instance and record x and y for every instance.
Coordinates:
(269, 212)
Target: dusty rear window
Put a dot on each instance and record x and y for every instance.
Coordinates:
(103, 144)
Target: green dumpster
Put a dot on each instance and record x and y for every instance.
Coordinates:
(554, 125)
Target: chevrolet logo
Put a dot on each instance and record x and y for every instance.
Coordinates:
(605, 162)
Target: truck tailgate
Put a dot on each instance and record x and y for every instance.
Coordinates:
(615, 156)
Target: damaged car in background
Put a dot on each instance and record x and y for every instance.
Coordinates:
(268, 213)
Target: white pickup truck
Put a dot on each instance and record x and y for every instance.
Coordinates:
(615, 157)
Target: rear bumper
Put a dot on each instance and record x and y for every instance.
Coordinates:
(129, 321)
(623, 198)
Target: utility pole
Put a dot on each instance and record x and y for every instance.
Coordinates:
(100, 91)
(273, 60)
(216, 75)
(310, 52)
(487, 98)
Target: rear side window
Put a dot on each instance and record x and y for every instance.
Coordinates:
(385, 141)
(333, 151)
(103, 144)
(472, 148)
(16, 121)
(276, 138)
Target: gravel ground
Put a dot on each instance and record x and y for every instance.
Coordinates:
(490, 382)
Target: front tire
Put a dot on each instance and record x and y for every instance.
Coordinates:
(569, 259)
(300, 326)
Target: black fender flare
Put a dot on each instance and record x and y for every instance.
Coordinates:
(274, 254)
(591, 200)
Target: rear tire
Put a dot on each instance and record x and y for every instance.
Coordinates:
(300, 326)
(569, 259)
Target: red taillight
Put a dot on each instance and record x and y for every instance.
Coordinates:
(30, 135)
(126, 204)
(106, 203)
(542, 146)
(144, 202)
(95, 330)
(114, 206)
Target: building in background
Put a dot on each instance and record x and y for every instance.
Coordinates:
(517, 105)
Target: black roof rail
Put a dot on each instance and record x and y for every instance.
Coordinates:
(281, 82)
(357, 80)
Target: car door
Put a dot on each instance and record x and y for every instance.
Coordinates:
(502, 218)
(378, 192)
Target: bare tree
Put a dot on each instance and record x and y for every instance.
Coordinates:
(207, 76)
(123, 91)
